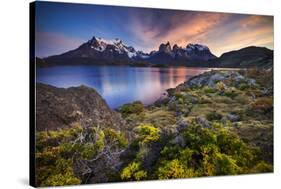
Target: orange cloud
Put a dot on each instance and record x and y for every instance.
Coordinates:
(256, 32)
(190, 30)
(222, 32)
(195, 30)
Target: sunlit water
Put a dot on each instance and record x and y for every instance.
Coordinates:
(118, 84)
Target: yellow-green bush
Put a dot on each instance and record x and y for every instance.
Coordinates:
(133, 172)
(147, 133)
(174, 169)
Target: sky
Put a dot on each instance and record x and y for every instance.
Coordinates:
(60, 27)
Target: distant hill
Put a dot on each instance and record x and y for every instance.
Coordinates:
(98, 51)
(247, 57)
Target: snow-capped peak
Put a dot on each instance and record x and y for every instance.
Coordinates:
(100, 44)
(199, 47)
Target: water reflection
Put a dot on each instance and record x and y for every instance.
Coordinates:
(118, 85)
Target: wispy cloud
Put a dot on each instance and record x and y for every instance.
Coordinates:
(59, 30)
(220, 31)
(242, 32)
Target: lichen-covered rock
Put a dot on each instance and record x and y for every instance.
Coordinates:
(181, 125)
(233, 117)
(203, 122)
(211, 78)
(59, 108)
(179, 140)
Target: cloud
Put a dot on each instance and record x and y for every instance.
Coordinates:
(51, 43)
(154, 27)
(146, 29)
(220, 31)
(243, 32)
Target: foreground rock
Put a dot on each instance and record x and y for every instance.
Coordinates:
(59, 108)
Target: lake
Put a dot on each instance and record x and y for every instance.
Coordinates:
(119, 84)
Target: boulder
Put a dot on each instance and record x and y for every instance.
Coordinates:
(181, 125)
(59, 108)
(233, 117)
(203, 122)
(179, 140)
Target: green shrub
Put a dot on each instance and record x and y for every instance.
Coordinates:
(207, 89)
(61, 180)
(113, 135)
(132, 108)
(231, 92)
(133, 172)
(262, 167)
(220, 86)
(147, 133)
(178, 95)
(214, 116)
(243, 86)
(174, 169)
(56, 149)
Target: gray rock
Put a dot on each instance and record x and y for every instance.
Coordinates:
(211, 78)
(233, 117)
(179, 140)
(215, 78)
(181, 125)
(252, 82)
(203, 122)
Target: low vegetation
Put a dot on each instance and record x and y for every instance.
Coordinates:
(220, 127)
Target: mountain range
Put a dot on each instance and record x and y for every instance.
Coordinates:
(98, 51)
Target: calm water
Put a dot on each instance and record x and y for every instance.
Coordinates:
(118, 85)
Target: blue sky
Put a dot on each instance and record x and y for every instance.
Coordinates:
(63, 26)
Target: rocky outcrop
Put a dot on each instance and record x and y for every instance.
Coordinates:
(59, 108)
(166, 48)
(211, 78)
(193, 53)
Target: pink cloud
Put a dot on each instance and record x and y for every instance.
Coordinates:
(50, 43)
(220, 31)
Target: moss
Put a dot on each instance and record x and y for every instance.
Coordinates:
(258, 134)
(242, 99)
(132, 108)
(243, 86)
(262, 105)
(231, 92)
(179, 95)
(160, 118)
(214, 116)
(222, 99)
(200, 109)
(207, 89)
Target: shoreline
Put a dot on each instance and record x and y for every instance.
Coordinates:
(159, 98)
